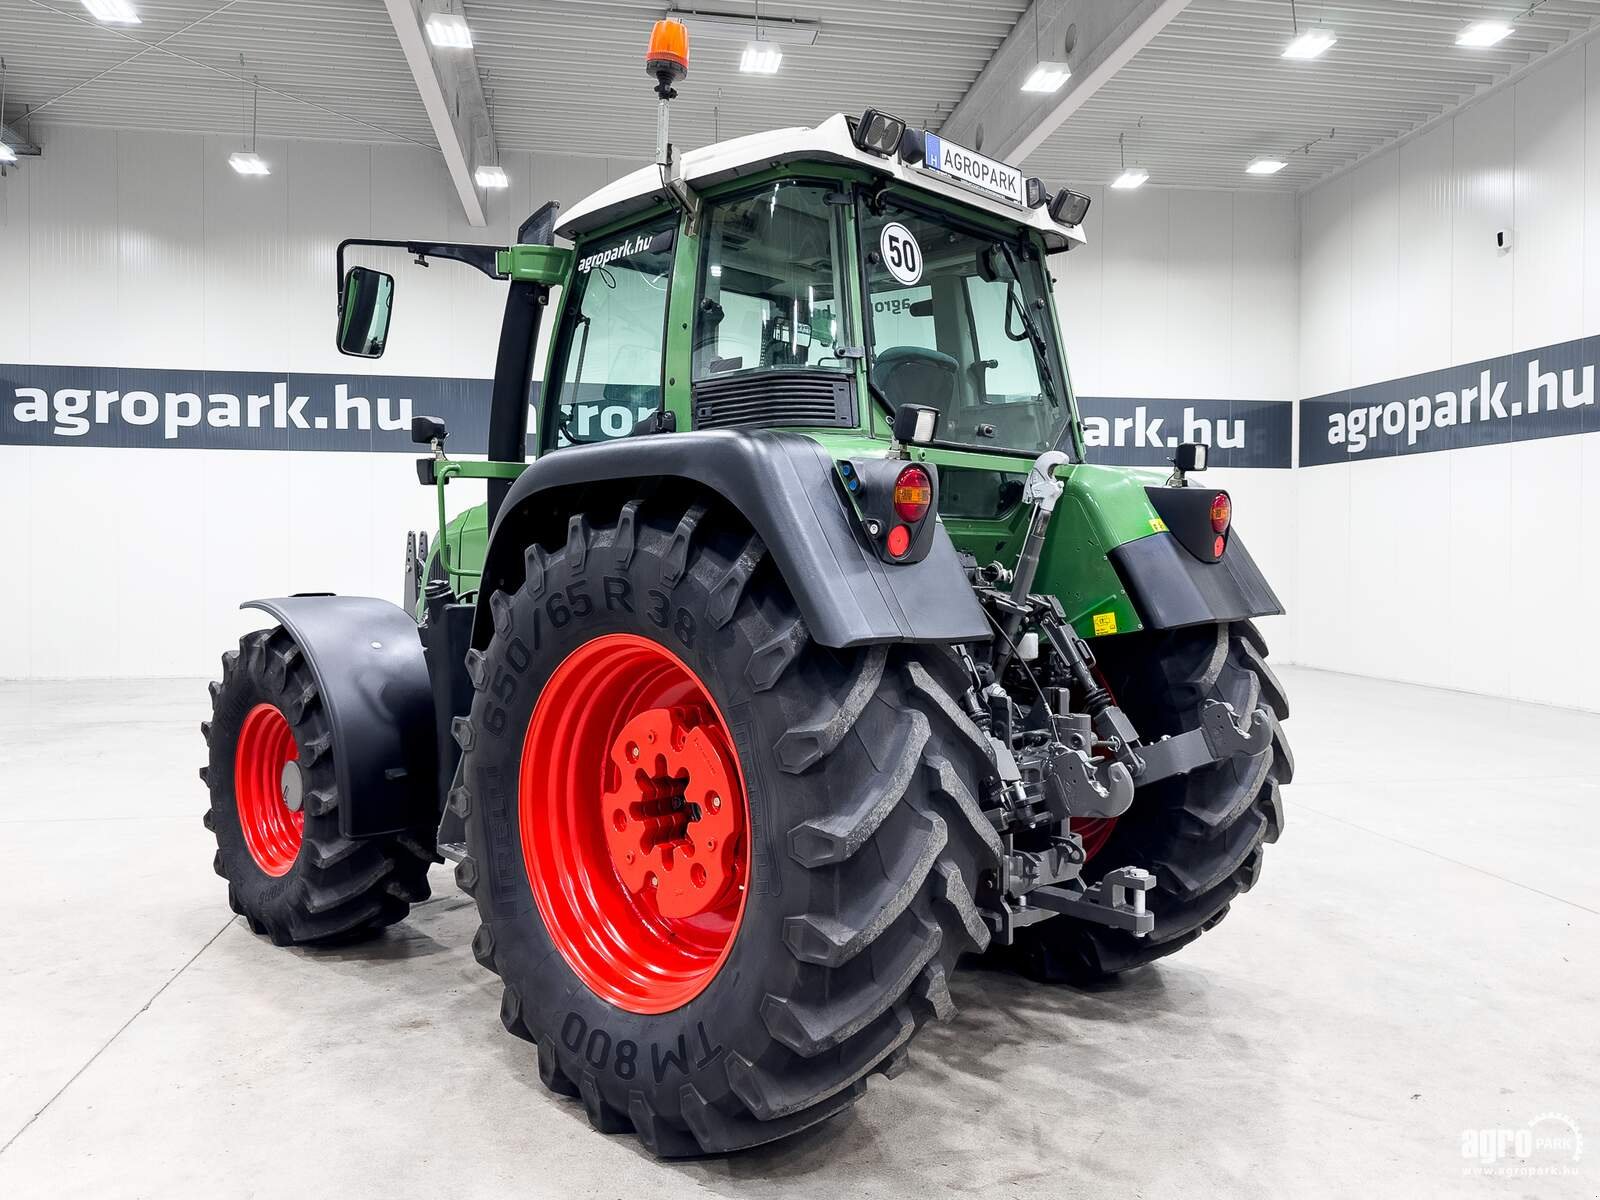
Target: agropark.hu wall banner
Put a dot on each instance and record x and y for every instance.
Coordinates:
(143, 408)
(1542, 393)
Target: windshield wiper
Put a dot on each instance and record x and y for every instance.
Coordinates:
(1041, 349)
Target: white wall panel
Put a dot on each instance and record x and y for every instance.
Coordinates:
(1549, 204)
(1377, 320)
(1137, 229)
(1426, 221)
(1458, 568)
(1482, 275)
(147, 250)
(1264, 334)
(1325, 277)
(1198, 348)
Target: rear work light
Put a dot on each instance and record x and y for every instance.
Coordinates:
(913, 494)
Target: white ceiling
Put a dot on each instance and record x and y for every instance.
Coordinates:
(1212, 91)
(1209, 93)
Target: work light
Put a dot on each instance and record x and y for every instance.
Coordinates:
(878, 133)
(1069, 207)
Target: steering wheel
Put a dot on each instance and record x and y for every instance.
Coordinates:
(917, 375)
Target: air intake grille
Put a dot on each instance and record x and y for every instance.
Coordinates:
(808, 398)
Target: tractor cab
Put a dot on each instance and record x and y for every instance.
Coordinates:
(807, 279)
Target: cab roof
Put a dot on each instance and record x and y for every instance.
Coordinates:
(830, 142)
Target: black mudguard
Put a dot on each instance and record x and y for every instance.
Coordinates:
(368, 664)
(1171, 588)
(783, 485)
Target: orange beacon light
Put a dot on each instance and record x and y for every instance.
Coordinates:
(668, 56)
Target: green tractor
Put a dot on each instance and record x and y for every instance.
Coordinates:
(797, 651)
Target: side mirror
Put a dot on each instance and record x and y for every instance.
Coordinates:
(366, 303)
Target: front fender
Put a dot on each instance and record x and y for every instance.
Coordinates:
(366, 658)
(782, 485)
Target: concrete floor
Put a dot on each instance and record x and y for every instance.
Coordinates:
(1421, 958)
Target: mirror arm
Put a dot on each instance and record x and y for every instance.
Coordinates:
(481, 257)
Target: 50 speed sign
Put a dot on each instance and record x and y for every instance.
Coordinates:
(901, 254)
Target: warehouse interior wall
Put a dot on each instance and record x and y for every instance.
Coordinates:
(133, 249)
(1464, 568)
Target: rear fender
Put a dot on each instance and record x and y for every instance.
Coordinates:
(782, 485)
(366, 658)
(1117, 567)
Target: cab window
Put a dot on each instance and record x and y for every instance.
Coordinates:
(612, 342)
(957, 320)
(770, 285)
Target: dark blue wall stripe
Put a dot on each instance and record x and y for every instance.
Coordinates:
(256, 410)
(1548, 392)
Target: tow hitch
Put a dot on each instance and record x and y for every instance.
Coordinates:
(1074, 754)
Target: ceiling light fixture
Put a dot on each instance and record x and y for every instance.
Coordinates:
(1266, 166)
(112, 12)
(1131, 177)
(491, 177)
(7, 154)
(759, 58)
(247, 161)
(1483, 33)
(449, 31)
(1310, 44)
(1048, 75)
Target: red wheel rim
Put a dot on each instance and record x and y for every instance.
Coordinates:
(1095, 832)
(272, 831)
(635, 826)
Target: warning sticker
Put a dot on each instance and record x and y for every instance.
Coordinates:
(1105, 623)
(1157, 525)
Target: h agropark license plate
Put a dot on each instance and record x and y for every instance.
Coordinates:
(974, 169)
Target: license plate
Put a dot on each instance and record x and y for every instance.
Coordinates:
(974, 169)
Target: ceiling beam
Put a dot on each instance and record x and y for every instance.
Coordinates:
(997, 117)
(452, 95)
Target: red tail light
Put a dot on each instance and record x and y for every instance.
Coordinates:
(1221, 512)
(913, 494)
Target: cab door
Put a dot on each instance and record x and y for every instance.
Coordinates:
(608, 365)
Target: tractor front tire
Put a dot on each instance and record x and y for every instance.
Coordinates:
(1202, 835)
(651, 687)
(291, 874)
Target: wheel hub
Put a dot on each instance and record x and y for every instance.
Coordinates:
(670, 827)
(634, 823)
(265, 768)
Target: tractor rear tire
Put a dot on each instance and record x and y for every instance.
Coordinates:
(1203, 834)
(291, 874)
(859, 841)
